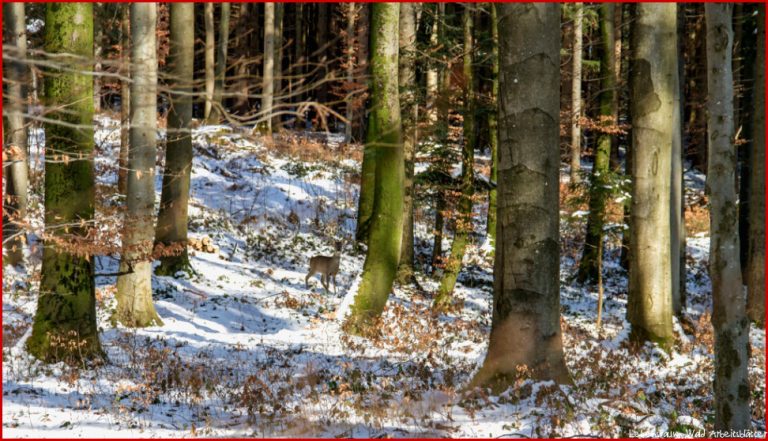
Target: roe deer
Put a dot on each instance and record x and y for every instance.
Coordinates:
(327, 266)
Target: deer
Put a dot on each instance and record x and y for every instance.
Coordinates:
(327, 266)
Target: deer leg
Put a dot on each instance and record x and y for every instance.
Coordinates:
(325, 282)
(306, 279)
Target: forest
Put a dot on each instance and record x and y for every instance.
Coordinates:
(383, 220)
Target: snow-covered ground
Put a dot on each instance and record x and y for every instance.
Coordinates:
(247, 350)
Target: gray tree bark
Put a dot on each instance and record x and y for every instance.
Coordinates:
(407, 80)
(268, 74)
(221, 65)
(652, 82)
(731, 386)
(210, 49)
(125, 97)
(134, 284)
(525, 328)
(578, 27)
(15, 133)
(174, 200)
(756, 263)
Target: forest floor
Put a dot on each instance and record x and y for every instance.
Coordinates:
(247, 350)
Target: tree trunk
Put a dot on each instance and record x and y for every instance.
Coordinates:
(756, 263)
(599, 189)
(220, 73)
(463, 226)
(134, 284)
(65, 322)
(407, 81)
(125, 97)
(268, 75)
(432, 70)
(731, 387)
(677, 196)
(351, 17)
(210, 48)
(15, 133)
(278, 75)
(493, 124)
(385, 135)
(576, 94)
(174, 201)
(525, 329)
(652, 82)
(98, 41)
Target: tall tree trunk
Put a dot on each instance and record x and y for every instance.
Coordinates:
(576, 93)
(134, 284)
(210, 48)
(268, 75)
(652, 82)
(493, 124)
(64, 328)
(220, 73)
(525, 329)
(463, 226)
(677, 196)
(98, 41)
(600, 184)
(731, 387)
(385, 134)
(432, 69)
(442, 104)
(15, 163)
(278, 74)
(756, 263)
(125, 97)
(174, 200)
(407, 81)
(351, 17)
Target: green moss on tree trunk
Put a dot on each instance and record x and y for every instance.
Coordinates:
(64, 328)
(493, 124)
(385, 136)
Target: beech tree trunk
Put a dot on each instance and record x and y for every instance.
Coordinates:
(15, 166)
(407, 81)
(385, 135)
(210, 48)
(64, 327)
(134, 284)
(221, 65)
(125, 97)
(525, 329)
(463, 225)
(576, 93)
(653, 74)
(731, 386)
(268, 74)
(174, 200)
(756, 263)
(493, 124)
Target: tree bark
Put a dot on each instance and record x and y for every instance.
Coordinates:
(385, 135)
(64, 328)
(125, 97)
(220, 73)
(15, 133)
(576, 93)
(174, 200)
(432, 70)
(268, 74)
(134, 285)
(278, 72)
(652, 82)
(756, 263)
(599, 189)
(731, 386)
(525, 329)
(493, 125)
(677, 196)
(210, 48)
(407, 82)
(463, 226)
